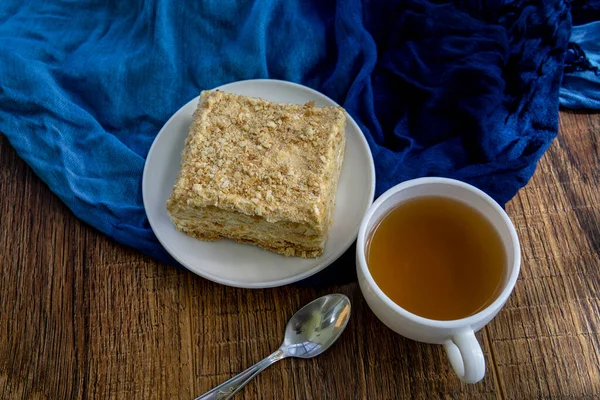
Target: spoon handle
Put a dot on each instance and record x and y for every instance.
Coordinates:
(227, 389)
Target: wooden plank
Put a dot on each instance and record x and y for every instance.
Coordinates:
(137, 326)
(547, 337)
(81, 316)
(39, 319)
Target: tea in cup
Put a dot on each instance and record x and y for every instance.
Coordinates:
(436, 260)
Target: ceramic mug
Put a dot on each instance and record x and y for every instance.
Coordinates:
(457, 336)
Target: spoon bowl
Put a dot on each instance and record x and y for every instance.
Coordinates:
(311, 331)
(316, 326)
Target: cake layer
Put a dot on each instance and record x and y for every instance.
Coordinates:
(288, 238)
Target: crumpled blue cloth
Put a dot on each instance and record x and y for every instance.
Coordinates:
(581, 82)
(465, 89)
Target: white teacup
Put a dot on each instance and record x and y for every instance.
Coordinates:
(457, 336)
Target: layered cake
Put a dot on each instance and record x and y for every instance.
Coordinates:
(259, 172)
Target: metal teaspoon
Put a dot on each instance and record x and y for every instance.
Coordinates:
(311, 331)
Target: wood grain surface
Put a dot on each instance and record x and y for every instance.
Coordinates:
(84, 317)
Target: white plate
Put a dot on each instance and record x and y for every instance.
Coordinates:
(243, 265)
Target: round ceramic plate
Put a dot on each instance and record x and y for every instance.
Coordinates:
(243, 265)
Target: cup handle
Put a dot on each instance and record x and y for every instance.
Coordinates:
(466, 357)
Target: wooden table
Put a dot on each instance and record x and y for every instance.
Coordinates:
(84, 317)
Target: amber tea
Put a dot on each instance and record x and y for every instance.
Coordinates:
(437, 257)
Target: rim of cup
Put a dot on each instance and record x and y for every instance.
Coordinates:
(445, 324)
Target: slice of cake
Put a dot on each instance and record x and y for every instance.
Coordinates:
(259, 172)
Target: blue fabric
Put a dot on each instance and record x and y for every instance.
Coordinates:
(585, 11)
(581, 82)
(463, 89)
